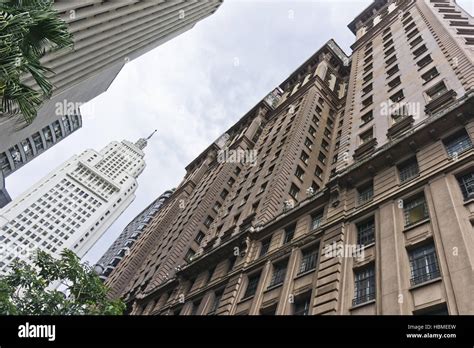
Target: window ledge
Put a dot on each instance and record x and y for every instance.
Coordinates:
(469, 201)
(362, 305)
(435, 280)
(416, 224)
(245, 299)
(301, 275)
(409, 180)
(270, 288)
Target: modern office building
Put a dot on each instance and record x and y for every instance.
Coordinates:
(129, 235)
(73, 205)
(107, 35)
(348, 190)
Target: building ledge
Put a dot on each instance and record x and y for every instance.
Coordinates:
(416, 224)
(362, 305)
(441, 101)
(435, 280)
(401, 126)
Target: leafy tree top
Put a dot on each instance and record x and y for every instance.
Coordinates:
(30, 289)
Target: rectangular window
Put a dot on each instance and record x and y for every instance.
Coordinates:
(424, 61)
(224, 193)
(294, 190)
(199, 237)
(299, 173)
(423, 264)
(278, 275)
(364, 285)
(415, 210)
(365, 193)
(408, 170)
(367, 89)
(436, 91)
(322, 158)
(252, 285)
(466, 182)
(366, 102)
(308, 143)
(308, 261)
(367, 117)
(366, 232)
(265, 246)
(419, 51)
(458, 143)
(316, 220)
(289, 234)
(318, 172)
(301, 305)
(209, 220)
(217, 300)
(366, 136)
(189, 255)
(429, 75)
(391, 60)
(392, 71)
(304, 157)
(312, 131)
(397, 97)
(394, 83)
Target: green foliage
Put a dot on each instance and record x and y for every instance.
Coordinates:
(27, 29)
(28, 289)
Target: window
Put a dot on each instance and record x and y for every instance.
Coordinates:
(397, 97)
(195, 307)
(367, 78)
(304, 157)
(312, 131)
(301, 305)
(366, 136)
(466, 182)
(278, 275)
(423, 264)
(366, 232)
(416, 41)
(367, 89)
(322, 158)
(391, 60)
(436, 91)
(457, 143)
(366, 102)
(294, 190)
(389, 51)
(252, 285)
(308, 260)
(318, 172)
(217, 300)
(231, 181)
(364, 285)
(209, 220)
(394, 83)
(315, 187)
(189, 255)
(224, 193)
(392, 71)
(316, 220)
(265, 246)
(199, 237)
(419, 51)
(216, 207)
(408, 170)
(299, 173)
(429, 75)
(367, 117)
(325, 145)
(424, 61)
(289, 234)
(365, 193)
(263, 187)
(308, 143)
(415, 210)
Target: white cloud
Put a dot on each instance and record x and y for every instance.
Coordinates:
(191, 91)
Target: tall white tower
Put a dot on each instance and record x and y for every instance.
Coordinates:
(73, 205)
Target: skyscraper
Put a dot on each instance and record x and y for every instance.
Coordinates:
(73, 205)
(129, 235)
(106, 36)
(348, 190)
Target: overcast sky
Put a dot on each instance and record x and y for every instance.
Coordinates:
(195, 87)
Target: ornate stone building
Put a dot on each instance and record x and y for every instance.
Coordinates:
(348, 190)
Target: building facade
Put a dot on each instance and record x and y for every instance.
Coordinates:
(353, 193)
(73, 205)
(129, 235)
(106, 36)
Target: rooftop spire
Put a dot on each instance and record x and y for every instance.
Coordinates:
(142, 143)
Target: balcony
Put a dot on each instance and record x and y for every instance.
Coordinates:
(439, 100)
(365, 149)
(399, 127)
